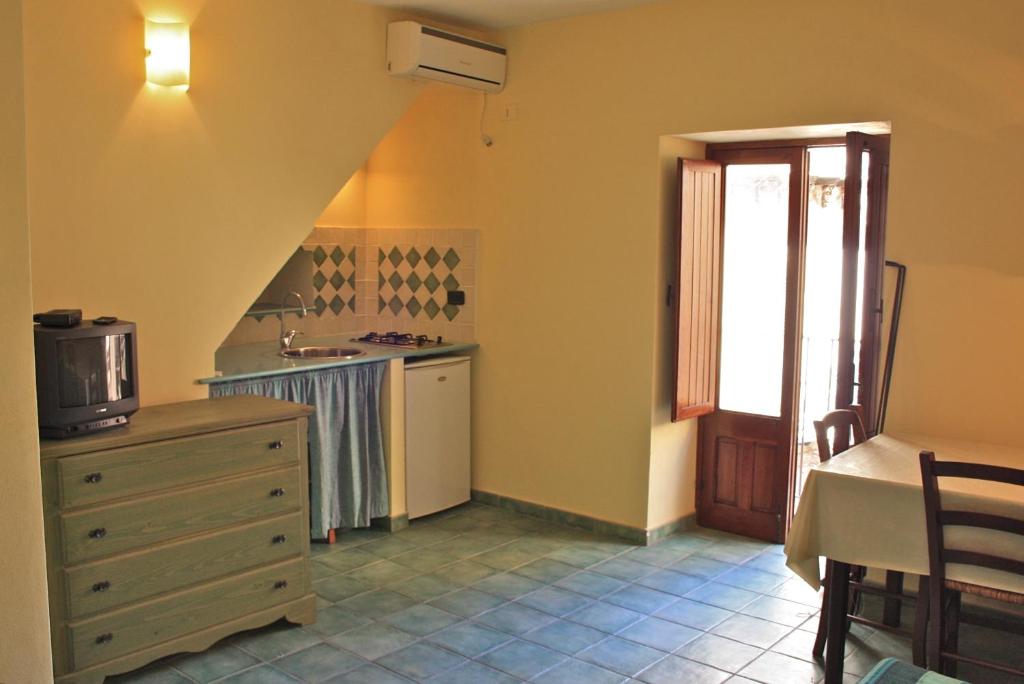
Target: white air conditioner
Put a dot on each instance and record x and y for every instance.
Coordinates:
(418, 51)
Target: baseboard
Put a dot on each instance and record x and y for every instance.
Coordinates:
(391, 523)
(634, 535)
(684, 524)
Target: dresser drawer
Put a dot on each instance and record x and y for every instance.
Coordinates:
(113, 634)
(118, 473)
(103, 531)
(107, 584)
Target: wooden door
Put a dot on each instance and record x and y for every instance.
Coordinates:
(746, 446)
(865, 197)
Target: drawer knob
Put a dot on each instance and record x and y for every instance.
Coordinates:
(276, 491)
(277, 445)
(93, 478)
(279, 539)
(105, 638)
(281, 584)
(98, 533)
(100, 587)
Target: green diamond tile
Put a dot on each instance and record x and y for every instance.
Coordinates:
(414, 282)
(319, 255)
(351, 279)
(337, 305)
(451, 259)
(395, 305)
(432, 283)
(380, 256)
(413, 257)
(395, 281)
(337, 280)
(337, 255)
(432, 309)
(352, 255)
(321, 305)
(432, 257)
(394, 256)
(381, 304)
(319, 280)
(414, 307)
(352, 303)
(450, 311)
(380, 280)
(450, 283)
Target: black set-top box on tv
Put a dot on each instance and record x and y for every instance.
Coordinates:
(86, 373)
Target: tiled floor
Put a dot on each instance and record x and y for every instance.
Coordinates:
(480, 595)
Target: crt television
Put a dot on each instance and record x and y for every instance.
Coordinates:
(86, 377)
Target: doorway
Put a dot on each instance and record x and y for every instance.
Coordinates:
(799, 275)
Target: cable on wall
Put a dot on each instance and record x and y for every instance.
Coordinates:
(484, 138)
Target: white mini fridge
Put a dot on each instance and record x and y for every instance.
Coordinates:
(437, 446)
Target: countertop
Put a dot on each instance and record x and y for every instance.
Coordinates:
(261, 359)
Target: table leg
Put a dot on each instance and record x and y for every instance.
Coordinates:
(835, 647)
(893, 585)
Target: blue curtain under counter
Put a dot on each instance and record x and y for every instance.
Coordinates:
(347, 472)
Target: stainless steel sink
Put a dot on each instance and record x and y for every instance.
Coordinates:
(322, 353)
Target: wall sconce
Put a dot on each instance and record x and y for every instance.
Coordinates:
(167, 53)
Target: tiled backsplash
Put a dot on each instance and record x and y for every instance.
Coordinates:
(334, 278)
(382, 279)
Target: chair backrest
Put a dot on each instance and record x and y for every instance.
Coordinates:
(938, 517)
(844, 421)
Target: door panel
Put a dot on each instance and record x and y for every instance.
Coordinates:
(746, 446)
(763, 498)
(697, 284)
(726, 465)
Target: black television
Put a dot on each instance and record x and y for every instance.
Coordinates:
(86, 377)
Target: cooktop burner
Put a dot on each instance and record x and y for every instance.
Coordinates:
(395, 339)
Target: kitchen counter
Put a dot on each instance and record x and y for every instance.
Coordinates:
(261, 359)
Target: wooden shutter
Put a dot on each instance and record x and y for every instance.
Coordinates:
(698, 287)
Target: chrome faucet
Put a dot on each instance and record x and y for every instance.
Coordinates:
(287, 336)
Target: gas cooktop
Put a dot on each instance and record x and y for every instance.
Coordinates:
(394, 339)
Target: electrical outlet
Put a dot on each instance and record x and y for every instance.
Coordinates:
(456, 297)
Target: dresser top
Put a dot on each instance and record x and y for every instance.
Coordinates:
(168, 421)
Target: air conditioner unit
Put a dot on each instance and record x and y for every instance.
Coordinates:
(418, 51)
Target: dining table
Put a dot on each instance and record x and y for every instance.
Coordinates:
(865, 507)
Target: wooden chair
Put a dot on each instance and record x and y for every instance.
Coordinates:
(941, 609)
(847, 422)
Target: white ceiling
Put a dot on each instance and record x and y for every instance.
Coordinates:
(500, 14)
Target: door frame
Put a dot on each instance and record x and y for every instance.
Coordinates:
(771, 151)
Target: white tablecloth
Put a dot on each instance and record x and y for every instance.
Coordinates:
(866, 507)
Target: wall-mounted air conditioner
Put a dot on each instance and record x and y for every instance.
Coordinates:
(418, 51)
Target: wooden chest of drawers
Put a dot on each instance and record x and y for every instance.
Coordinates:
(189, 525)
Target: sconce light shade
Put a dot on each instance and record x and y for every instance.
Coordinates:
(167, 53)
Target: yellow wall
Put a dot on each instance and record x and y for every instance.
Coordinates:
(572, 240)
(348, 208)
(201, 197)
(174, 209)
(24, 630)
(425, 172)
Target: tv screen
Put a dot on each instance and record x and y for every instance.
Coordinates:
(94, 370)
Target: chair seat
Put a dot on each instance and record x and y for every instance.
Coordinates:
(987, 592)
(893, 671)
